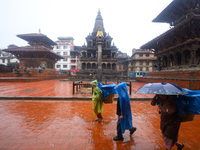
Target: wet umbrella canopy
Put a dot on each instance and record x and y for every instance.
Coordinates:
(161, 88)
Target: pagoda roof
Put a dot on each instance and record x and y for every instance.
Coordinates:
(32, 49)
(175, 10)
(151, 44)
(37, 38)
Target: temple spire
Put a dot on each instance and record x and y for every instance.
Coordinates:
(98, 22)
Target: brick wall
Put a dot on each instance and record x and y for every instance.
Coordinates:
(185, 79)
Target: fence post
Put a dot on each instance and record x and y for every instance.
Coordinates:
(73, 87)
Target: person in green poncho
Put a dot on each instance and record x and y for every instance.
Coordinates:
(43, 66)
(97, 102)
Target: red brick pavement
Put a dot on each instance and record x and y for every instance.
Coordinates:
(59, 125)
(70, 124)
(51, 88)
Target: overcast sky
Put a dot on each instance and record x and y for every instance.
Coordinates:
(128, 22)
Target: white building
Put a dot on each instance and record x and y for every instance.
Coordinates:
(7, 58)
(65, 45)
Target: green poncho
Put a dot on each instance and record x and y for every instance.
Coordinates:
(97, 102)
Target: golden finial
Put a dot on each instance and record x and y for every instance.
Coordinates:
(39, 32)
(99, 32)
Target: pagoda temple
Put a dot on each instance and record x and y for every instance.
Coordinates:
(98, 56)
(40, 51)
(179, 47)
(89, 52)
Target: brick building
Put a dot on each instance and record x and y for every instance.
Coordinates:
(141, 60)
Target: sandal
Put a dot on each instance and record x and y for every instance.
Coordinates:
(180, 148)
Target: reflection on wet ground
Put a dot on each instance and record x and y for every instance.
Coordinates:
(71, 125)
(52, 88)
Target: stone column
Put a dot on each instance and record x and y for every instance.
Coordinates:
(175, 59)
(183, 59)
(99, 71)
(193, 58)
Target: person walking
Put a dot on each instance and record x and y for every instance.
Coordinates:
(97, 102)
(124, 121)
(170, 120)
(60, 71)
(39, 69)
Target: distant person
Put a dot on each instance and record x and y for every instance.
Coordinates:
(159, 67)
(155, 67)
(124, 121)
(170, 120)
(43, 66)
(24, 69)
(39, 69)
(97, 102)
(60, 71)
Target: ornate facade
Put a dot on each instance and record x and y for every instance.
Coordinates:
(179, 47)
(141, 60)
(89, 52)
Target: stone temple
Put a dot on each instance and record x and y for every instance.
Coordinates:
(98, 56)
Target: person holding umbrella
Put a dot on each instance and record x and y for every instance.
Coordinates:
(170, 120)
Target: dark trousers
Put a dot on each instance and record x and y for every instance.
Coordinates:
(119, 131)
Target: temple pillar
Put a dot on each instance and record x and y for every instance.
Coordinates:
(193, 54)
(175, 60)
(99, 71)
(168, 61)
(183, 59)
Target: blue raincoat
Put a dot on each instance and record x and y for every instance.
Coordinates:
(107, 89)
(189, 103)
(125, 106)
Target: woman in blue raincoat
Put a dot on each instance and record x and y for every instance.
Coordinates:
(124, 112)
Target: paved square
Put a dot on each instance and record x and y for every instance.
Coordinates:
(70, 125)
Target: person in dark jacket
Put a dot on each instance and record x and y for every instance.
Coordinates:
(170, 120)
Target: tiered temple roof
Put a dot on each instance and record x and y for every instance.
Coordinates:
(39, 51)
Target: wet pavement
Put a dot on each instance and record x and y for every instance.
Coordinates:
(70, 125)
(53, 88)
(44, 125)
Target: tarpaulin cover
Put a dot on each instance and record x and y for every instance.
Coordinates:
(107, 89)
(189, 103)
(126, 122)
